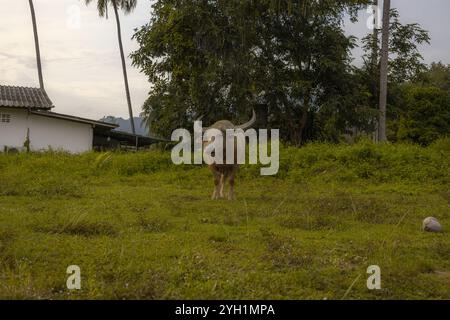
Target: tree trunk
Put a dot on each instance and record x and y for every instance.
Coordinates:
(36, 44)
(262, 110)
(384, 71)
(124, 68)
(302, 126)
(303, 119)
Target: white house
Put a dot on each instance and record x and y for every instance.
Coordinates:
(26, 119)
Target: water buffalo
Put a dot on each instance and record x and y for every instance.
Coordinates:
(225, 172)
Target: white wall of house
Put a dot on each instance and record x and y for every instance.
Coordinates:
(59, 134)
(45, 132)
(13, 133)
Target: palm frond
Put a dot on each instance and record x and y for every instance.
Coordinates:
(102, 7)
(127, 6)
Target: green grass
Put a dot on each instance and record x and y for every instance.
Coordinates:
(142, 228)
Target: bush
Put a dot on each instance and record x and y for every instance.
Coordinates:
(427, 115)
(61, 174)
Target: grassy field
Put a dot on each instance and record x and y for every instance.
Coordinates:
(142, 228)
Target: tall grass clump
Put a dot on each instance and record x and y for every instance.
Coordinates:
(44, 174)
(367, 161)
(63, 174)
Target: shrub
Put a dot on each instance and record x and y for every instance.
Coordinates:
(427, 115)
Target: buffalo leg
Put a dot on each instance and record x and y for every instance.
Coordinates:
(231, 195)
(222, 185)
(217, 183)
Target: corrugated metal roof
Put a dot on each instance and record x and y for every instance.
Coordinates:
(74, 118)
(24, 97)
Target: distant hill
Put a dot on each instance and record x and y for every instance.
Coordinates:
(125, 125)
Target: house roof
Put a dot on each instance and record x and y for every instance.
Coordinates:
(24, 97)
(75, 119)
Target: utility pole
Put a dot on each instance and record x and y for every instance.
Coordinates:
(384, 71)
(36, 44)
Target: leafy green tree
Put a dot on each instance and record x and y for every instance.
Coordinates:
(427, 115)
(438, 75)
(126, 6)
(405, 65)
(212, 58)
(405, 61)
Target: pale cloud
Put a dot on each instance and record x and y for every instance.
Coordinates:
(81, 61)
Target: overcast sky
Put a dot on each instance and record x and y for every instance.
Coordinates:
(81, 61)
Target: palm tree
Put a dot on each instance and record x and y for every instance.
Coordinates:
(36, 44)
(127, 6)
(384, 71)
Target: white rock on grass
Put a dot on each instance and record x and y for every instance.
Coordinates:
(431, 224)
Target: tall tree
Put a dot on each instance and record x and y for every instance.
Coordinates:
(213, 57)
(36, 44)
(426, 114)
(405, 64)
(126, 6)
(438, 75)
(384, 71)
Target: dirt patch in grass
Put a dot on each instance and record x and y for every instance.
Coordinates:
(339, 204)
(446, 195)
(305, 221)
(153, 224)
(217, 238)
(6, 239)
(148, 285)
(373, 210)
(80, 228)
(283, 252)
(442, 249)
